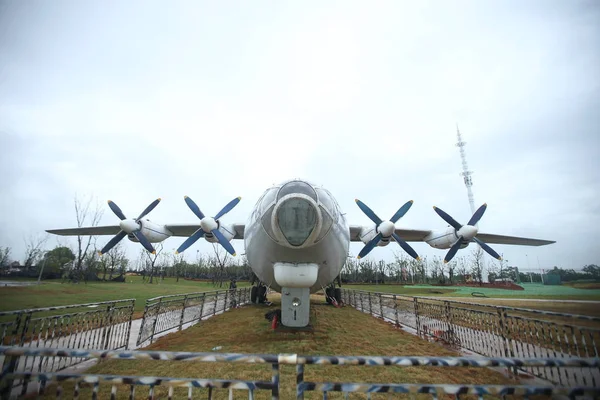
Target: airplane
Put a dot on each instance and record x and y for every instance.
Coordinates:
(297, 240)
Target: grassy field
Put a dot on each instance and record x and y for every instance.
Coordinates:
(337, 331)
(532, 291)
(55, 293)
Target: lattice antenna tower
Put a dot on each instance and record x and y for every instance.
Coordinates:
(466, 174)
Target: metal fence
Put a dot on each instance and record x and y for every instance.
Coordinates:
(165, 313)
(493, 331)
(105, 325)
(56, 383)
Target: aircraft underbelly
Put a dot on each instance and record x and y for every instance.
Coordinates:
(329, 254)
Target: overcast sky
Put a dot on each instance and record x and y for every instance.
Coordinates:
(134, 100)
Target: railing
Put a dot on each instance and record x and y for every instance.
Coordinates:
(493, 331)
(93, 383)
(105, 325)
(178, 311)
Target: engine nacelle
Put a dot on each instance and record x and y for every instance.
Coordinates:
(443, 239)
(227, 230)
(367, 234)
(153, 232)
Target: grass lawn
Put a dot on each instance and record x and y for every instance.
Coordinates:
(532, 291)
(337, 331)
(591, 309)
(55, 293)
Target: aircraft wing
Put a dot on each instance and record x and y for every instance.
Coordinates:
(189, 229)
(417, 235)
(502, 239)
(87, 231)
(410, 235)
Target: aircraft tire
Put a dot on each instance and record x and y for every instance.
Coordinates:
(328, 295)
(253, 293)
(337, 294)
(262, 294)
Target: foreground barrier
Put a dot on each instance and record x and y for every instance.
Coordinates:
(199, 386)
(105, 325)
(164, 313)
(493, 331)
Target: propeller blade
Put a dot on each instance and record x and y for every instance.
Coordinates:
(193, 207)
(401, 211)
(115, 208)
(477, 216)
(370, 246)
(190, 241)
(452, 252)
(113, 242)
(372, 216)
(488, 249)
(148, 209)
(143, 241)
(228, 207)
(406, 246)
(224, 242)
(447, 218)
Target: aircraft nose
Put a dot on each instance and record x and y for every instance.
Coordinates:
(297, 219)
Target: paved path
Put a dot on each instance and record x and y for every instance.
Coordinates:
(83, 339)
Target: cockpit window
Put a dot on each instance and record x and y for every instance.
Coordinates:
(297, 219)
(327, 201)
(268, 199)
(297, 187)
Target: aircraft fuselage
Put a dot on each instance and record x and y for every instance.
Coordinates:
(297, 223)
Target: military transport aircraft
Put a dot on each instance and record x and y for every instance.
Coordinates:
(297, 240)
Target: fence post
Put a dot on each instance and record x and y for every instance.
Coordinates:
(128, 331)
(275, 381)
(202, 306)
(449, 316)
(110, 309)
(417, 319)
(225, 302)
(182, 313)
(216, 302)
(299, 381)
(144, 320)
(502, 326)
(158, 306)
(370, 304)
(381, 306)
(10, 363)
(396, 311)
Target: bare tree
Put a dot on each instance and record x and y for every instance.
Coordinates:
(176, 261)
(477, 264)
(220, 261)
(86, 216)
(116, 259)
(153, 258)
(461, 268)
(33, 249)
(4, 256)
(451, 268)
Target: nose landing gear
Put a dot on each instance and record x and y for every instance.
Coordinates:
(258, 294)
(333, 294)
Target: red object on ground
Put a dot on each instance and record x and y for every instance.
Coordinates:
(274, 322)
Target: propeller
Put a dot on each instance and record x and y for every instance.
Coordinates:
(466, 233)
(385, 229)
(130, 227)
(209, 225)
